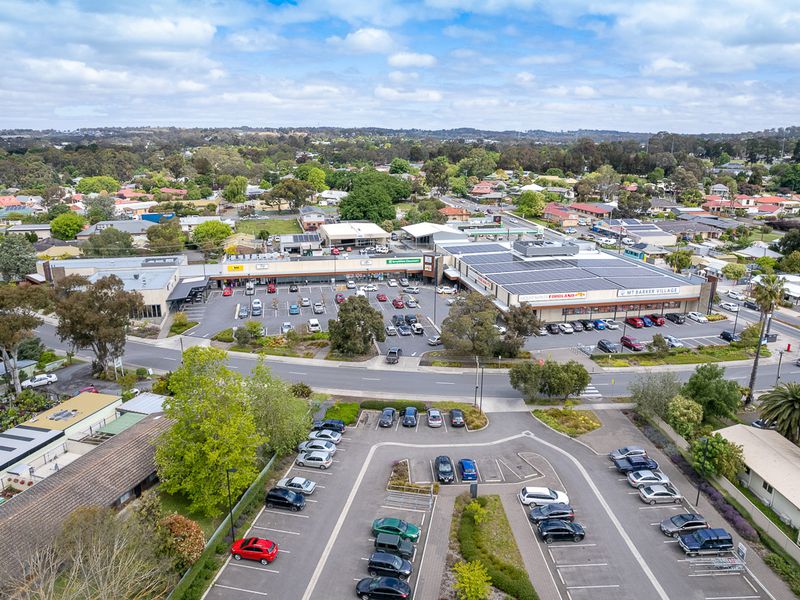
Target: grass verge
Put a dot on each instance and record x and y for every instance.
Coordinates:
(345, 411)
(566, 420)
(790, 531)
(400, 480)
(677, 356)
(474, 418)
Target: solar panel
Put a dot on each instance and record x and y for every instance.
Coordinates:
(538, 276)
(475, 248)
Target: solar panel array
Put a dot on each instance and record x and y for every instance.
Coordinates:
(476, 248)
(299, 238)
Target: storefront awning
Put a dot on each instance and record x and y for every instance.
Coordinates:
(451, 273)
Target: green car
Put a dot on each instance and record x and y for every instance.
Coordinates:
(404, 529)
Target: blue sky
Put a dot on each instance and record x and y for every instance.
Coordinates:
(682, 65)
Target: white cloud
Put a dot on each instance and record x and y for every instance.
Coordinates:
(459, 31)
(524, 78)
(405, 60)
(365, 40)
(418, 95)
(679, 91)
(543, 59)
(255, 40)
(187, 85)
(584, 91)
(159, 31)
(667, 67)
(403, 77)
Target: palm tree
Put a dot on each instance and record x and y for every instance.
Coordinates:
(766, 293)
(781, 407)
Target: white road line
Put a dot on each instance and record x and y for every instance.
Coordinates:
(444, 382)
(752, 587)
(571, 546)
(230, 587)
(297, 373)
(592, 587)
(238, 564)
(730, 597)
(370, 378)
(403, 508)
(582, 565)
(287, 513)
(276, 530)
(318, 471)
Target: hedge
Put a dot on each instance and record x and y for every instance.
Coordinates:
(398, 404)
(505, 577)
(226, 335)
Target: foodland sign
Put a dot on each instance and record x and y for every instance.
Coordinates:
(553, 297)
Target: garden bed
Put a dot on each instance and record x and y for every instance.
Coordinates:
(179, 328)
(678, 356)
(400, 480)
(568, 421)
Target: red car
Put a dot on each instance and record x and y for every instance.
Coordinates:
(334, 251)
(271, 289)
(339, 298)
(398, 303)
(635, 322)
(255, 548)
(91, 389)
(631, 343)
(657, 319)
(227, 291)
(381, 297)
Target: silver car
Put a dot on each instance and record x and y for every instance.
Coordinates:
(435, 418)
(640, 479)
(320, 445)
(320, 460)
(660, 494)
(319, 308)
(327, 435)
(627, 451)
(678, 525)
(297, 484)
(391, 330)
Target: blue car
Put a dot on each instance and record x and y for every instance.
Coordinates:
(294, 309)
(469, 471)
(648, 322)
(599, 324)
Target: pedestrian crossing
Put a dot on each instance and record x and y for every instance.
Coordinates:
(591, 392)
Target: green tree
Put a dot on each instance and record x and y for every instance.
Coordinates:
(351, 334)
(469, 329)
(679, 260)
(18, 321)
(719, 397)
(684, 416)
(436, 174)
(531, 204)
(632, 205)
(96, 315)
(767, 292)
(166, 237)
(234, 192)
(788, 243)
(658, 345)
(243, 336)
(100, 208)
(101, 183)
(522, 320)
(478, 163)
(526, 378)
(734, 271)
(715, 455)
(549, 378)
(17, 257)
(791, 263)
(292, 192)
(214, 432)
(316, 179)
(781, 406)
(109, 242)
(472, 580)
(370, 203)
(458, 186)
(210, 235)
(66, 226)
(652, 392)
(766, 264)
(399, 166)
(281, 417)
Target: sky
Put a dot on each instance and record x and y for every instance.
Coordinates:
(686, 66)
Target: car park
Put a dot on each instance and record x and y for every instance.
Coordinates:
(553, 328)
(301, 485)
(436, 340)
(626, 452)
(729, 306)
(676, 318)
(244, 312)
(608, 346)
(319, 308)
(457, 417)
(387, 417)
(735, 295)
(39, 380)
(658, 320)
(565, 328)
(382, 298)
(443, 466)
(612, 324)
(706, 541)
(644, 478)
(382, 588)
(389, 565)
(635, 463)
(673, 342)
(294, 309)
(327, 435)
(393, 355)
(254, 548)
(398, 303)
(409, 415)
(729, 336)
(317, 445)
(280, 498)
(682, 524)
(316, 459)
(697, 317)
(557, 510)
(336, 425)
(541, 495)
(552, 530)
(391, 329)
(435, 418)
(468, 469)
(635, 322)
(394, 544)
(631, 343)
(391, 525)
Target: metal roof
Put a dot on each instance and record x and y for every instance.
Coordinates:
(20, 441)
(145, 403)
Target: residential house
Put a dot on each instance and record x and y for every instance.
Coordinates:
(593, 210)
(661, 205)
(136, 228)
(483, 188)
(716, 204)
(720, 189)
(688, 229)
(173, 191)
(561, 215)
(531, 187)
(311, 220)
(721, 223)
(132, 194)
(454, 213)
(133, 208)
(646, 252)
(243, 243)
(42, 230)
(565, 193)
(189, 223)
(331, 197)
(758, 250)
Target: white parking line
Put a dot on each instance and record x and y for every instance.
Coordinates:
(276, 530)
(445, 382)
(319, 471)
(730, 597)
(571, 546)
(581, 565)
(238, 564)
(404, 508)
(592, 587)
(297, 373)
(230, 587)
(287, 513)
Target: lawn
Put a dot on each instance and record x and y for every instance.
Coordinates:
(175, 503)
(273, 226)
(345, 411)
(566, 420)
(497, 535)
(790, 531)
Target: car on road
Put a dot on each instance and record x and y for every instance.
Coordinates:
(293, 288)
(391, 329)
(393, 355)
(382, 298)
(336, 425)
(445, 289)
(398, 303)
(608, 346)
(227, 291)
(635, 463)
(457, 417)
(612, 324)
(339, 298)
(301, 485)
(294, 309)
(635, 322)
(394, 526)
(387, 417)
(599, 324)
(648, 322)
(443, 467)
(327, 435)
(404, 330)
(676, 318)
(254, 548)
(631, 343)
(682, 524)
(763, 424)
(244, 312)
(317, 459)
(729, 336)
(435, 418)
(553, 328)
(552, 530)
(541, 495)
(673, 342)
(565, 328)
(411, 289)
(436, 340)
(735, 295)
(319, 308)
(627, 451)
(558, 510)
(750, 304)
(394, 544)
(570, 230)
(640, 479)
(39, 380)
(280, 498)
(658, 320)
(697, 317)
(317, 445)
(468, 470)
(409, 415)
(706, 541)
(606, 241)
(392, 283)
(389, 565)
(729, 306)
(286, 328)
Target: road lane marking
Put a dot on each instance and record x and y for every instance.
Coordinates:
(444, 382)
(581, 565)
(297, 373)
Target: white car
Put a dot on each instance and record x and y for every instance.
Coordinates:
(351, 285)
(392, 283)
(297, 484)
(327, 435)
(403, 282)
(317, 445)
(411, 289)
(391, 330)
(674, 342)
(565, 328)
(611, 324)
(729, 306)
(286, 328)
(501, 329)
(627, 241)
(257, 304)
(39, 380)
(320, 460)
(305, 302)
(370, 287)
(539, 496)
(735, 295)
(445, 289)
(606, 241)
(435, 418)
(696, 316)
(361, 292)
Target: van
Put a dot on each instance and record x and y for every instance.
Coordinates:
(313, 326)
(250, 288)
(394, 544)
(706, 541)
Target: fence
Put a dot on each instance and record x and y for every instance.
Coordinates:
(255, 491)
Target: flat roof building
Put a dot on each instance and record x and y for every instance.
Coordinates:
(352, 233)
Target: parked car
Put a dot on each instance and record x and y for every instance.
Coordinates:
(457, 417)
(403, 282)
(394, 544)
(557, 510)
(382, 588)
(599, 324)
(90, 389)
(552, 530)
(280, 498)
(658, 320)
(370, 287)
(227, 291)
(411, 319)
(608, 346)
(587, 324)
(698, 317)
(435, 418)
(313, 326)
(389, 565)
(468, 469)
(398, 303)
(612, 324)
(317, 459)
(443, 466)
(392, 283)
(39, 380)
(398, 320)
(436, 340)
(631, 343)
(339, 298)
(735, 295)
(404, 330)
(676, 318)
(445, 289)
(639, 479)
(729, 306)
(326, 435)
(541, 331)
(244, 311)
(391, 329)
(336, 425)
(293, 288)
(553, 328)
(305, 301)
(763, 424)
(257, 308)
(673, 342)
(319, 308)
(635, 322)
(350, 285)
(387, 418)
(411, 289)
(706, 541)
(576, 326)
(286, 328)
(682, 524)
(635, 463)
(417, 329)
(317, 445)
(254, 548)
(294, 309)
(382, 298)
(271, 288)
(541, 495)
(407, 531)
(729, 336)
(409, 415)
(393, 355)
(565, 328)
(627, 451)
(501, 329)
(301, 485)
(647, 321)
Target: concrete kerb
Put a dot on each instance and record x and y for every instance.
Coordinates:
(561, 433)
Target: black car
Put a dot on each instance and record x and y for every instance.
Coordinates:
(576, 325)
(411, 319)
(635, 463)
(608, 346)
(729, 336)
(409, 416)
(281, 498)
(587, 324)
(445, 473)
(336, 425)
(457, 417)
(398, 320)
(387, 417)
(394, 544)
(293, 287)
(552, 328)
(557, 510)
(552, 530)
(382, 588)
(676, 318)
(750, 304)
(389, 565)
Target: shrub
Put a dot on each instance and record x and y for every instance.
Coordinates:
(398, 404)
(226, 335)
(161, 385)
(684, 415)
(46, 358)
(787, 571)
(243, 336)
(180, 319)
(142, 373)
(472, 581)
(346, 411)
(301, 390)
(184, 539)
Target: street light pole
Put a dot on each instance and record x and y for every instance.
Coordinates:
(477, 366)
(780, 358)
(705, 454)
(481, 405)
(735, 321)
(230, 503)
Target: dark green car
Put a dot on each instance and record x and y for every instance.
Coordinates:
(406, 530)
